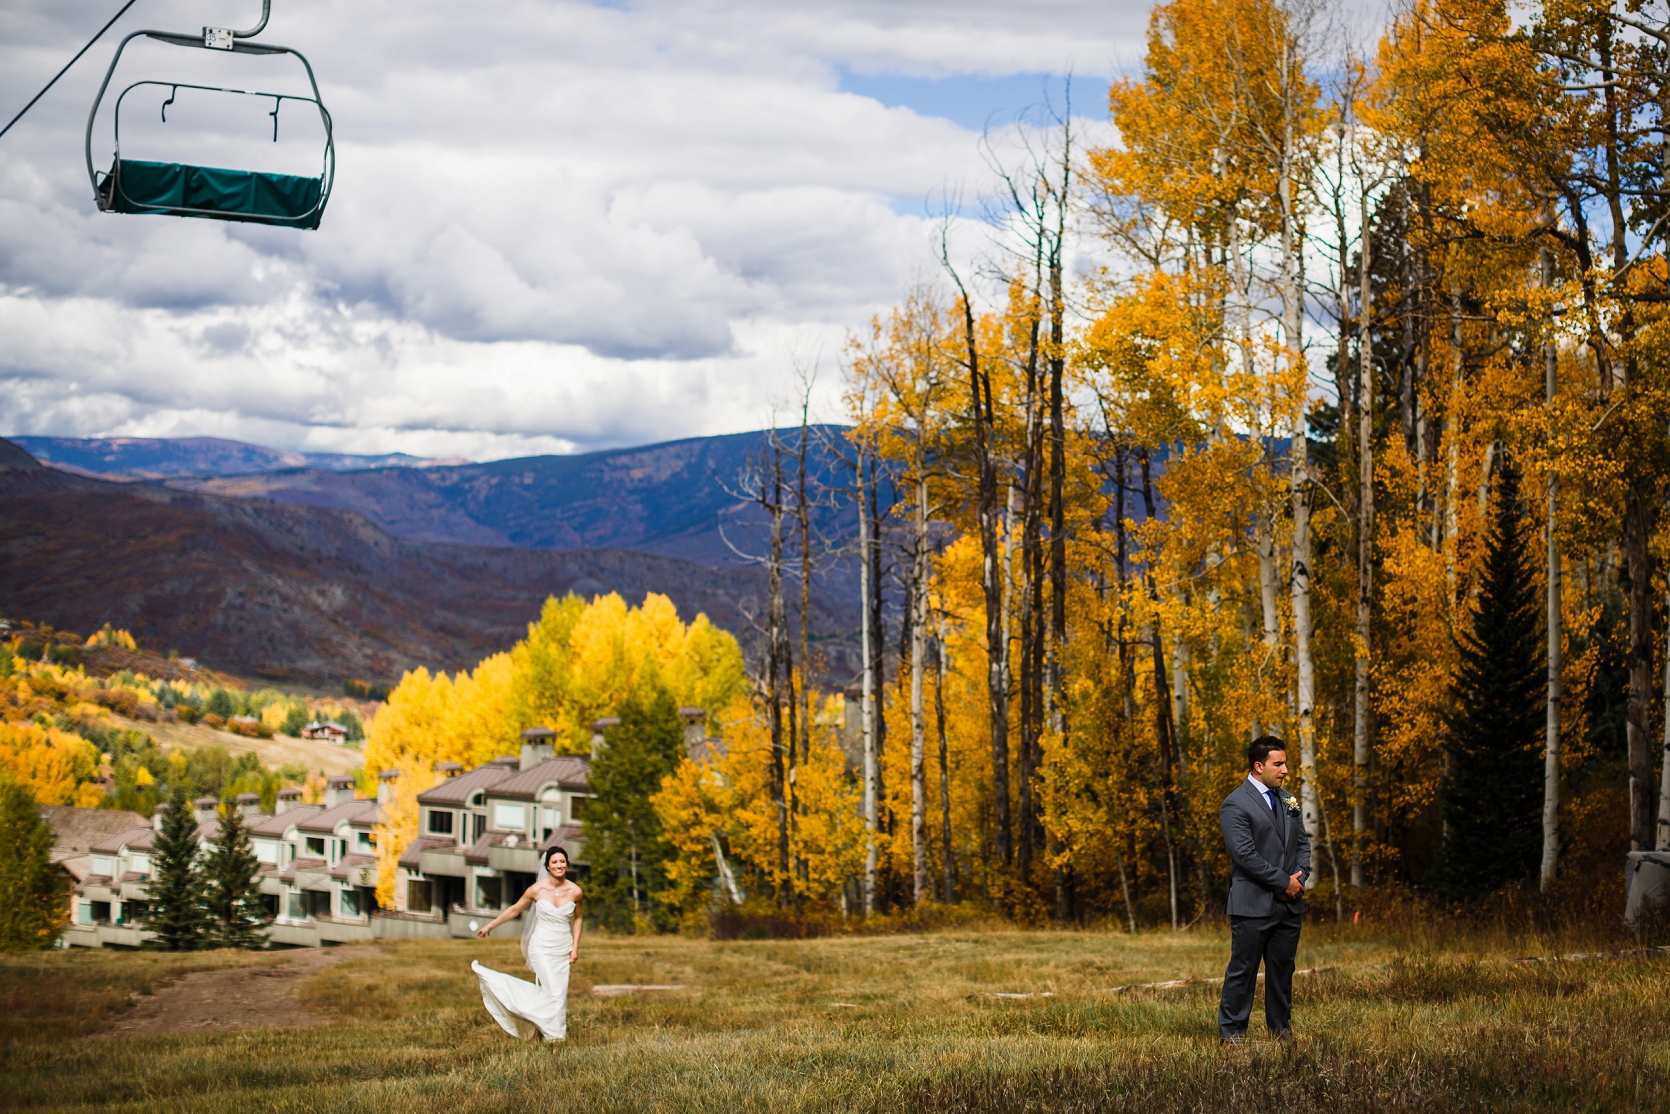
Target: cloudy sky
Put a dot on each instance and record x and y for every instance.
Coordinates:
(556, 226)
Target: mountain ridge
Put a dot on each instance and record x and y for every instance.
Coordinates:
(318, 593)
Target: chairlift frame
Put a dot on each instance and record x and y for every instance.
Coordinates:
(107, 187)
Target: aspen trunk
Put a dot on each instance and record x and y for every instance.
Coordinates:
(944, 761)
(991, 578)
(918, 648)
(777, 667)
(1551, 737)
(1637, 530)
(1663, 842)
(1362, 746)
(868, 686)
(1452, 454)
(1299, 456)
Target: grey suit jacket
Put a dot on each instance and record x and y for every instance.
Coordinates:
(1263, 860)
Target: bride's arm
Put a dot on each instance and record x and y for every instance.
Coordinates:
(579, 923)
(521, 904)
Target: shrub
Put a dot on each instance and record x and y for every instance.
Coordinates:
(220, 704)
(294, 720)
(186, 712)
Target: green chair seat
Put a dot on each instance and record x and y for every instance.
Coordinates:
(211, 191)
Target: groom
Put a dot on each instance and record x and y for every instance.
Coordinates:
(1266, 839)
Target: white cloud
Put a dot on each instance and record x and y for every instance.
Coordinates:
(556, 226)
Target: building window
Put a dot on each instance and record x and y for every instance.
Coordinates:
(577, 807)
(488, 893)
(139, 863)
(440, 823)
(318, 903)
(84, 913)
(420, 896)
(365, 841)
(266, 851)
(480, 825)
(295, 907)
(101, 912)
(349, 902)
(316, 846)
(508, 816)
(102, 864)
(550, 819)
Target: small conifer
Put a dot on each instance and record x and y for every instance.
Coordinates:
(232, 885)
(32, 887)
(176, 912)
(1492, 791)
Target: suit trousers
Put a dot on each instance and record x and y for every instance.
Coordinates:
(1275, 940)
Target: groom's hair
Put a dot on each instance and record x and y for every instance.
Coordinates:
(1261, 747)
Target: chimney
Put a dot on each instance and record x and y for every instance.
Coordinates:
(695, 732)
(287, 800)
(448, 769)
(339, 790)
(157, 815)
(598, 727)
(203, 809)
(249, 804)
(385, 786)
(537, 746)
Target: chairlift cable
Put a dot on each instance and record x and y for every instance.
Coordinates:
(67, 65)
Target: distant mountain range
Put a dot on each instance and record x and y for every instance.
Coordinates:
(154, 458)
(680, 498)
(315, 593)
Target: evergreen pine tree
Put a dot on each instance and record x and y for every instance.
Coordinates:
(232, 884)
(623, 833)
(1492, 793)
(32, 887)
(176, 889)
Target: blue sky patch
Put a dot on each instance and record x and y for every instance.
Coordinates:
(975, 102)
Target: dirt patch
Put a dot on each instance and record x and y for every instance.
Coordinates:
(328, 758)
(235, 998)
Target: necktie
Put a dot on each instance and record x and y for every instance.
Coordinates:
(1276, 811)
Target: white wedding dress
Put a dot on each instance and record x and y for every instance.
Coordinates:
(525, 1009)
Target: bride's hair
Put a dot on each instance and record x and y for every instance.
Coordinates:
(545, 859)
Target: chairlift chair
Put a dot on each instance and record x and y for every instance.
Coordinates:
(211, 192)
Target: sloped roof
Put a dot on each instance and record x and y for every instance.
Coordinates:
(311, 866)
(409, 857)
(457, 791)
(75, 830)
(565, 837)
(139, 839)
(359, 812)
(274, 827)
(351, 862)
(567, 771)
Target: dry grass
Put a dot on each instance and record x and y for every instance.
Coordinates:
(894, 1023)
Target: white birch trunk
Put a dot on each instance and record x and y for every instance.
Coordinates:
(868, 691)
(918, 650)
(1362, 747)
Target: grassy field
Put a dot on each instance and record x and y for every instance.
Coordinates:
(880, 1024)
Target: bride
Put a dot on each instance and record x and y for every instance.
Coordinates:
(550, 944)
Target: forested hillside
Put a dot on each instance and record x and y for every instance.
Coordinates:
(312, 594)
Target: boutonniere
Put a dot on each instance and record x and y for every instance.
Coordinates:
(1292, 803)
